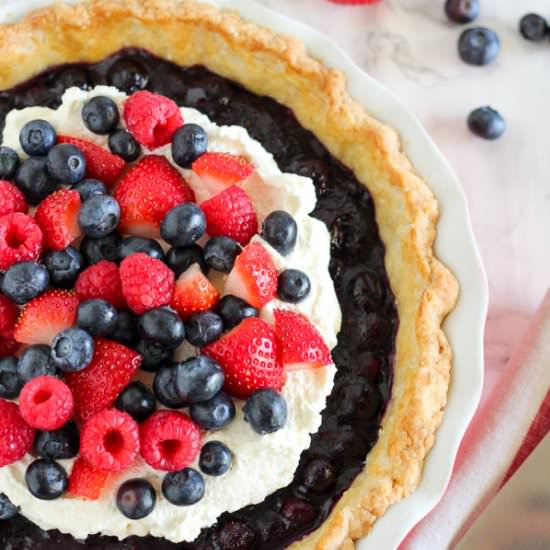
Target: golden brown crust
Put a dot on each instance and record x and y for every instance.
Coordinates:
(406, 211)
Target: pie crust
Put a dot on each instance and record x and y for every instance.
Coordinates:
(267, 63)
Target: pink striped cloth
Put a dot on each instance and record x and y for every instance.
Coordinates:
(505, 430)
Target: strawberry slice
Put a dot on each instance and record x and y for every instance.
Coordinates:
(57, 216)
(147, 192)
(97, 386)
(100, 163)
(249, 357)
(253, 277)
(300, 344)
(86, 481)
(193, 293)
(8, 316)
(45, 316)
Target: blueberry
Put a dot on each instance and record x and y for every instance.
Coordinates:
(462, 11)
(154, 355)
(9, 161)
(7, 509)
(183, 488)
(198, 379)
(266, 411)
(203, 328)
(478, 46)
(65, 163)
(37, 137)
(533, 27)
(220, 253)
(32, 179)
(318, 475)
(72, 77)
(184, 225)
(215, 413)
(133, 245)
(10, 383)
(162, 326)
(136, 400)
(293, 285)
(136, 498)
(99, 216)
(104, 248)
(179, 259)
(89, 188)
(123, 144)
(128, 76)
(25, 281)
(126, 329)
(97, 317)
(188, 144)
(59, 444)
(63, 266)
(100, 115)
(215, 458)
(233, 310)
(35, 361)
(72, 350)
(486, 123)
(46, 479)
(164, 386)
(280, 231)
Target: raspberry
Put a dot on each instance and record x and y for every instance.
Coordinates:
(147, 283)
(11, 199)
(151, 118)
(16, 436)
(8, 346)
(8, 315)
(86, 481)
(20, 239)
(170, 440)
(110, 440)
(46, 403)
(102, 281)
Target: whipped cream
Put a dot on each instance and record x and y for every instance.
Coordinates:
(262, 464)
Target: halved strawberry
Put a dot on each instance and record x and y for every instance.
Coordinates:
(86, 481)
(8, 316)
(193, 292)
(250, 358)
(45, 316)
(57, 216)
(253, 277)
(300, 344)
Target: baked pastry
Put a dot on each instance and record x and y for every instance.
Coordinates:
(392, 357)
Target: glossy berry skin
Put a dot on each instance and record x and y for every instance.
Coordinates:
(133, 245)
(99, 216)
(220, 253)
(215, 458)
(35, 361)
(198, 379)
(101, 280)
(86, 481)
(154, 355)
(280, 231)
(136, 498)
(266, 411)
(37, 137)
(89, 188)
(188, 144)
(293, 286)
(125, 330)
(183, 225)
(183, 488)
(104, 248)
(233, 310)
(46, 479)
(65, 163)
(162, 326)
(164, 386)
(10, 384)
(72, 350)
(58, 444)
(9, 161)
(533, 27)
(180, 259)
(462, 11)
(215, 413)
(97, 317)
(478, 46)
(25, 281)
(123, 144)
(63, 266)
(8, 510)
(486, 123)
(32, 179)
(203, 328)
(136, 400)
(100, 115)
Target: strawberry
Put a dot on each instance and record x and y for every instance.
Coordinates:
(97, 386)
(300, 344)
(249, 357)
(57, 216)
(21, 239)
(100, 163)
(231, 213)
(11, 199)
(86, 481)
(8, 346)
(253, 277)
(8, 316)
(102, 281)
(193, 293)
(147, 192)
(46, 316)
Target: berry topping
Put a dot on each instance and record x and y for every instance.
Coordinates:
(188, 144)
(110, 440)
(9, 161)
(280, 231)
(220, 253)
(215, 413)
(8, 346)
(25, 281)
(57, 216)
(104, 248)
(101, 281)
(265, 411)
(7, 509)
(137, 400)
(46, 316)
(10, 384)
(66, 163)
(136, 498)
(151, 118)
(37, 137)
(11, 199)
(147, 192)
(35, 361)
(86, 481)
(254, 277)
(293, 286)
(20, 239)
(57, 444)
(164, 386)
(533, 27)
(233, 310)
(198, 379)
(72, 350)
(100, 115)
(183, 225)
(183, 488)
(179, 259)
(99, 216)
(46, 403)
(127, 75)
(170, 441)
(63, 266)
(126, 329)
(46, 479)
(478, 46)
(97, 317)
(8, 316)
(215, 458)
(31, 178)
(462, 11)
(96, 387)
(133, 245)
(154, 355)
(162, 326)
(486, 123)
(123, 144)
(89, 188)
(16, 436)
(203, 328)
(249, 357)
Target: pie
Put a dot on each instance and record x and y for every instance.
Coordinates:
(380, 310)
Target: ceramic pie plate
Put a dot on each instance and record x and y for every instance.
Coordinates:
(455, 246)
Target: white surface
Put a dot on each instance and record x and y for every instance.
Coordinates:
(380, 39)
